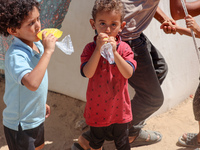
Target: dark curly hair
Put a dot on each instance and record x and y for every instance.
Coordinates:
(108, 5)
(13, 12)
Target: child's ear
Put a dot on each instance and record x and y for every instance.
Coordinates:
(122, 26)
(12, 31)
(92, 24)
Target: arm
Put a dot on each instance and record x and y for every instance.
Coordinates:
(125, 69)
(162, 17)
(90, 67)
(185, 31)
(192, 24)
(182, 30)
(33, 79)
(177, 11)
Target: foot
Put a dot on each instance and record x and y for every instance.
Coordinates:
(184, 136)
(189, 140)
(145, 137)
(132, 138)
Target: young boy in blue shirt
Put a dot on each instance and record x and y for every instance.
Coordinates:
(26, 80)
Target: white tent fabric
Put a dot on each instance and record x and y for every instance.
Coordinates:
(179, 52)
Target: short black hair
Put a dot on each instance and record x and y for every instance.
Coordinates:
(13, 12)
(108, 5)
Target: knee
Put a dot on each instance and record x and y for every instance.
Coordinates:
(83, 142)
(161, 74)
(159, 101)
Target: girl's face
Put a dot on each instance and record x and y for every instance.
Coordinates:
(30, 27)
(108, 22)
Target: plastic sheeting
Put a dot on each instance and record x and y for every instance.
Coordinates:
(52, 15)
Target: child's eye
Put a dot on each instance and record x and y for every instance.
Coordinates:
(102, 24)
(32, 23)
(114, 25)
(38, 19)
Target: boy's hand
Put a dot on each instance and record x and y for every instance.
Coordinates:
(102, 38)
(48, 111)
(112, 41)
(49, 42)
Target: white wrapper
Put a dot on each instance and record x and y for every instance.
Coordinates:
(107, 52)
(66, 45)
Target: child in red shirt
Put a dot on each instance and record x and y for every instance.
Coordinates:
(108, 107)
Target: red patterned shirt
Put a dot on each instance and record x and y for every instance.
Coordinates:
(108, 100)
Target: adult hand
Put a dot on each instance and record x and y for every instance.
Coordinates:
(168, 26)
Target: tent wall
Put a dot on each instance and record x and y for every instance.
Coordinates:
(179, 52)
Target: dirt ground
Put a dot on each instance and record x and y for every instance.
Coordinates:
(61, 128)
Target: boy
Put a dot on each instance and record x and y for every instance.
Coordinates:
(108, 107)
(26, 80)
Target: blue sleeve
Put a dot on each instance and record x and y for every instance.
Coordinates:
(82, 69)
(17, 66)
(131, 65)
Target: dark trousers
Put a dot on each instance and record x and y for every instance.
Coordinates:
(196, 104)
(149, 75)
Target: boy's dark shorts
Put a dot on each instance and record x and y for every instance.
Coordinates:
(26, 139)
(116, 132)
(87, 136)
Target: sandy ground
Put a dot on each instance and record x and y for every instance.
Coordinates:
(61, 127)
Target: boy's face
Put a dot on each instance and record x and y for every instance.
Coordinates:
(108, 22)
(30, 27)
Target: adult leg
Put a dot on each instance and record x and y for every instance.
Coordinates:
(150, 73)
(196, 110)
(159, 63)
(193, 139)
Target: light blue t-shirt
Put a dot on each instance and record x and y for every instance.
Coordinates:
(24, 107)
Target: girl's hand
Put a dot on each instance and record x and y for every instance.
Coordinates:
(48, 111)
(49, 42)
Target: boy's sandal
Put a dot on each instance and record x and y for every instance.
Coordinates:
(76, 146)
(146, 137)
(190, 141)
